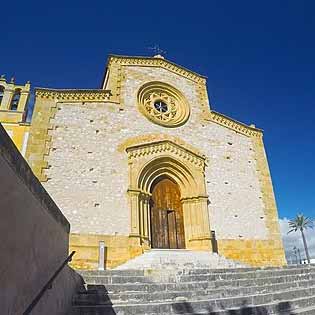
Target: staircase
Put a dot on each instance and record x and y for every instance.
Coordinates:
(198, 291)
(179, 259)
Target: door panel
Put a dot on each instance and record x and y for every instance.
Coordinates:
(167, 223)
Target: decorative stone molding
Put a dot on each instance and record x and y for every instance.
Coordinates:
(66, 95)
(156, 62)
(163, 104)
(234, 125)
(135, 152)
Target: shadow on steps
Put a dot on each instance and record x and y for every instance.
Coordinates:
(282, 308)
(94, 300)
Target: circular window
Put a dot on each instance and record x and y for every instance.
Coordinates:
(160, 106)
(163, 104)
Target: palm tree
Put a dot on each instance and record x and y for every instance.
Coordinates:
(301, 223)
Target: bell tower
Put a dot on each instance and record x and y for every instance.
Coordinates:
(13, 100)
(13, 110)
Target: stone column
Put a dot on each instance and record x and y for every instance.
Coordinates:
(148, 218)
(141, 216)
(134, 216)
(145, 217)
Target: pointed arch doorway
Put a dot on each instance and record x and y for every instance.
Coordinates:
(150, 164)
(167, 220)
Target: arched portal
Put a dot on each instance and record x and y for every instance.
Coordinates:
(150, 164)
(166, 214)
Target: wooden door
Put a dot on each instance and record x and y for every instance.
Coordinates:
(167, 223)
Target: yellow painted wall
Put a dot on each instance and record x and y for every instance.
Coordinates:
(255, 253)
(13, 119)
(17, 132)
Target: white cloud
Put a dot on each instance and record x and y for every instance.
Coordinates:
(295, 239)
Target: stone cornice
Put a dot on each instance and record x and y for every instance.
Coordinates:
(74, 95)
(156, 62)
(234, 124)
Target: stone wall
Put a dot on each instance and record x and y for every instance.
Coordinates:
(87, 166)
(34, 240)
(19, 134)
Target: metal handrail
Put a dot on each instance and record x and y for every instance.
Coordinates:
(48, 285)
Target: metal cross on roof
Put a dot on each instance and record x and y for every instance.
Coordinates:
(157, 50)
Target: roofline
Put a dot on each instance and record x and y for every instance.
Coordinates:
(147, 58)
(69, 90)
(238, 122)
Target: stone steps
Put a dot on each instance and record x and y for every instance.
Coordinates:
(204, 282)
(178, 258)
(306, 311)
(193, 291)
(153, 296)
(216, 274)
(254, 297)
(271, 309)
(199, 271)
(301, 306)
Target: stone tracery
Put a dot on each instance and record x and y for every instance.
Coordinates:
(163, 104)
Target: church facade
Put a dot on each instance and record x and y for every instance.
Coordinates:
(145, 162)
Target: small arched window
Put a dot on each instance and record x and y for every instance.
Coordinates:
(15, 99)
(1, 93)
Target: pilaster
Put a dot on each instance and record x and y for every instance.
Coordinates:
(135, 230)
(196, 221)
(268, 198)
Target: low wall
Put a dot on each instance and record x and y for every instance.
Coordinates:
(34, 240)
(119, 249)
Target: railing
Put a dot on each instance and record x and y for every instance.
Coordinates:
(48, 285)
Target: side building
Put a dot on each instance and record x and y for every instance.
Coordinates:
(13, 110)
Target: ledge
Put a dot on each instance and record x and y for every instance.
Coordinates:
(233, 124)
(73, 95)
(20, 167)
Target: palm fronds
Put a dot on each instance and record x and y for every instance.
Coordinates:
(300, 222)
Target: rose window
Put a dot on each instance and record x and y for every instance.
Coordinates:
(163, 104)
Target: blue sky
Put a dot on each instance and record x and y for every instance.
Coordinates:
(259, 58)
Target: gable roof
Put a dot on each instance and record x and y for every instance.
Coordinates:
(156, 61)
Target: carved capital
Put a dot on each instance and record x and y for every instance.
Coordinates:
(135, 152)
